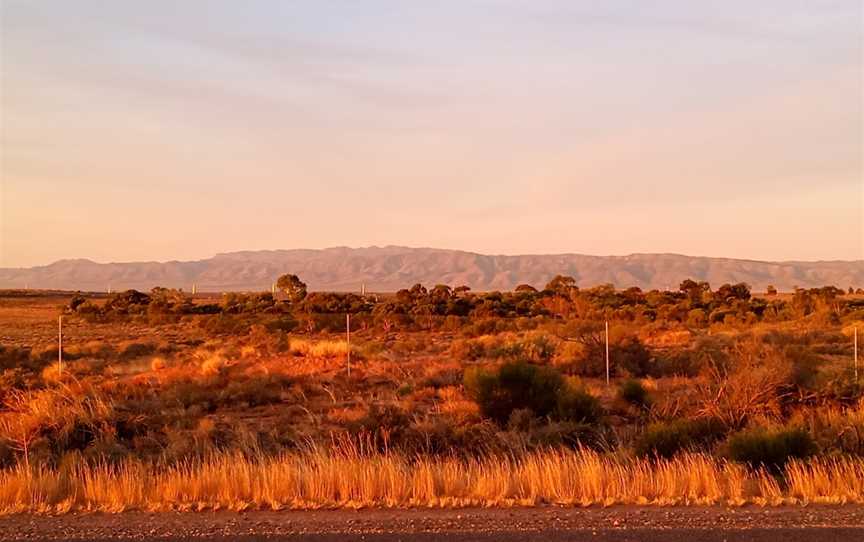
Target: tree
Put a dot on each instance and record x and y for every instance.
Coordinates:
(562, 285)
(441, 292)
(694, 290)
(526, 288)
(128, 302)
(418, 290)
(461, 290)
(166, 300)
(404, 297)
(731, 292)
(293, 287)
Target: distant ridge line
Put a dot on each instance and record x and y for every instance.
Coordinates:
(389, 268)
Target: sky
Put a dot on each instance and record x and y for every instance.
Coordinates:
(168, 130)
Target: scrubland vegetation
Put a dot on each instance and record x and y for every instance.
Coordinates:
(171, 401)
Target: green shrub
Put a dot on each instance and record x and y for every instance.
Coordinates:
(575, 404)
(13, 356)
(390, 420)
(665, 439)
(567, 433)
(632, 356)
(224, 324)
(132, 350)
(505, 349)
(805, 365)
(633, 392)
(771, 448)
(128, 302)
(539, 348)
(285, 323)
(519, 385)
(404, 389)
(686, 363)
(626, 353)
(515, 385)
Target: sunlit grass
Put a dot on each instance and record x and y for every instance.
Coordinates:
(320, 479)
(321, 349)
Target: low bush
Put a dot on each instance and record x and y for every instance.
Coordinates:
(539, 347)
(487, 326)
(519, 385)
(505, 346)
(752, 383)
(665, 439)
(514, 386)
(770, 448)
(836, 430)
(567, 433)
(632, 391)
(442, 377)
(224, 324)
(12, 356)
(576, 404)
(134, 350)
(632, 356)
(626, 352)
(285, 323)
(684, 363)
(805, 366)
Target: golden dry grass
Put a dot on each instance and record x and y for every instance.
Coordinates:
(326, 480)
(318, 349)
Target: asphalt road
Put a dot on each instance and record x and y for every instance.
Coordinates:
(551, 524)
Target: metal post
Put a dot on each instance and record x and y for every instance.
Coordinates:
(607, 352)
(348, 337)
(856, 353)
(60, 345)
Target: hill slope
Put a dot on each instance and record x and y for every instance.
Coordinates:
(391, 268)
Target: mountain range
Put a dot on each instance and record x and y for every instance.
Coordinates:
(386, 269)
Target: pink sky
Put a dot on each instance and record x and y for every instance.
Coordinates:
(139, 132)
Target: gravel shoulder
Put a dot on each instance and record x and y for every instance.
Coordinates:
(550, 524)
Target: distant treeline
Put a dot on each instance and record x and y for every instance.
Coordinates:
(694, 304)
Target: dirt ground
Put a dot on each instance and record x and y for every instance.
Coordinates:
(621, 523)
(31, 322)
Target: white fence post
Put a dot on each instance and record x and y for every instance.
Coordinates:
(348, 338)
(60, 345)
(607, 352)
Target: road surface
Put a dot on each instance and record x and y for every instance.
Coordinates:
(549, 524)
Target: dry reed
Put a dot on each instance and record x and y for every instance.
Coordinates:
(320, 479)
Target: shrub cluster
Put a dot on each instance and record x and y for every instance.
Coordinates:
(523, 386)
